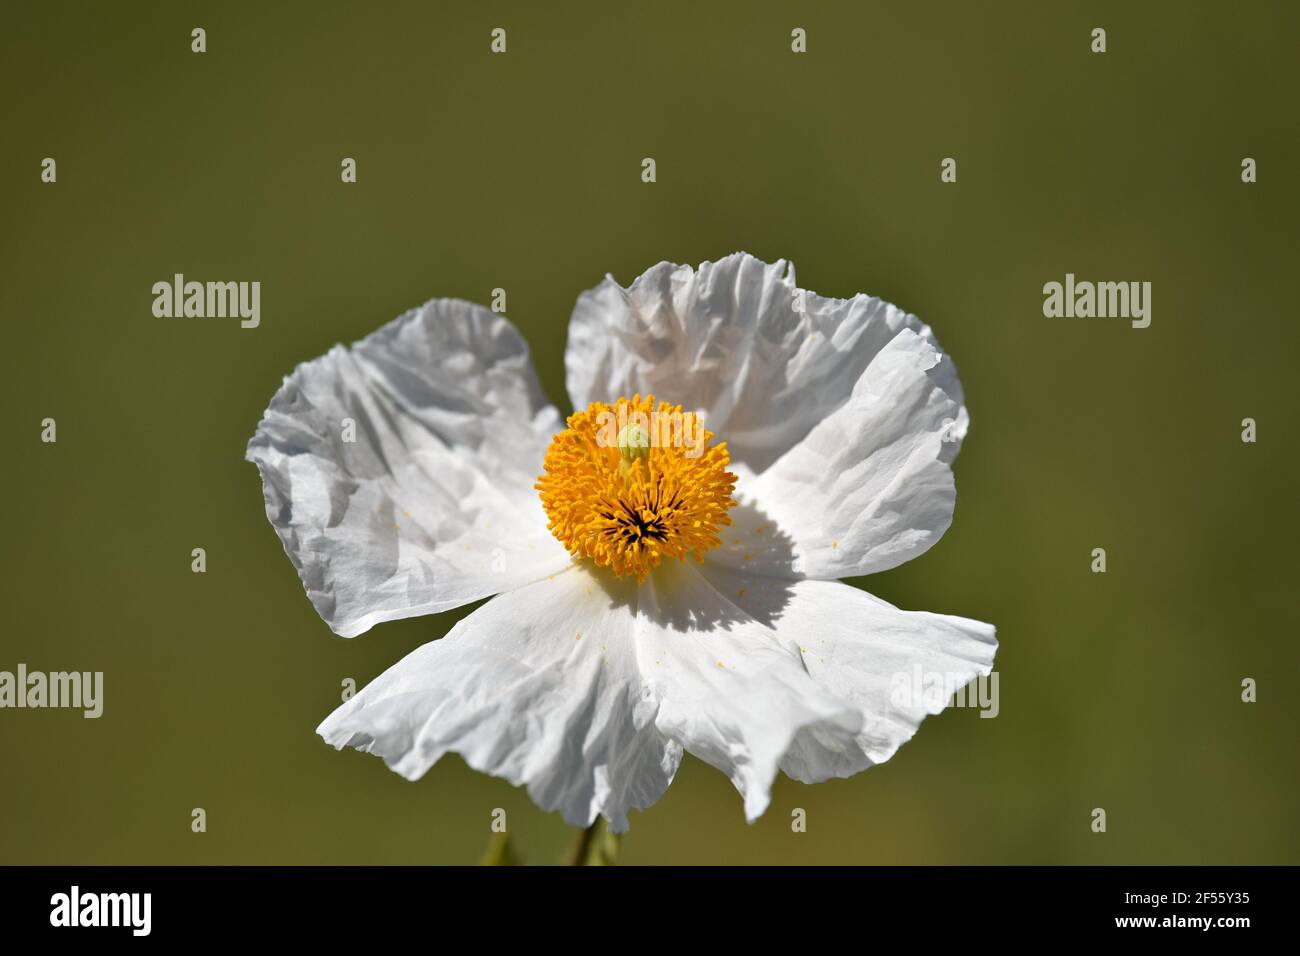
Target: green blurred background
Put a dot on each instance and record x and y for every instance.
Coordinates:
(522, 171)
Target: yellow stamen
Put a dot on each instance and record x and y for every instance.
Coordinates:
(629, 496)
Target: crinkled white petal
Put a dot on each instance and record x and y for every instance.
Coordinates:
(729, 691)
(540, 686)
(432, 505)
(893, 666)
(727, 340)
(586, 688)
(868, 488)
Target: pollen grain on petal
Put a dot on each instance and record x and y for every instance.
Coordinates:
(631, 483)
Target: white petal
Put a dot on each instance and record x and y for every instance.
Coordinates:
(432, 505)
(540, 686)
(894, 666)
(597, 724)
(867, 489)
(728, 690)
(726, 340)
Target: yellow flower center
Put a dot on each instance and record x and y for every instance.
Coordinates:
(630, 483)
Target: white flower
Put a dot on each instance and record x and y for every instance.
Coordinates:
(838, 420)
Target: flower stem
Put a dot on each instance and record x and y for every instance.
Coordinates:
(499, 852)
(582, 845)
(595, 846)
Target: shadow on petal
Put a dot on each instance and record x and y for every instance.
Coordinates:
(676, 597)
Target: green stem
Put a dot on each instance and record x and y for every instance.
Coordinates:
(595, 846)
(582, 845)
(499, 852)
